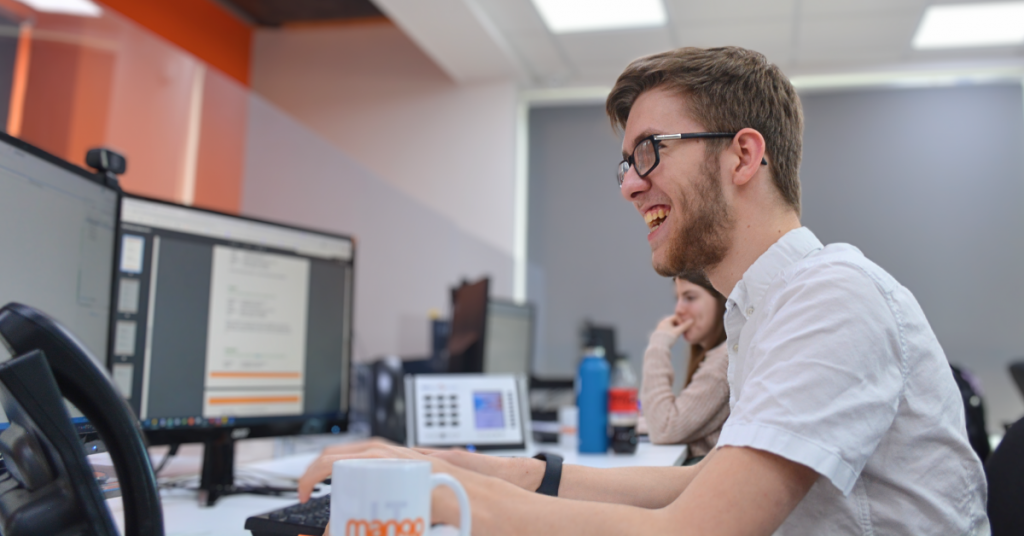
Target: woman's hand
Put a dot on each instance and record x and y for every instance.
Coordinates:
(672, 326)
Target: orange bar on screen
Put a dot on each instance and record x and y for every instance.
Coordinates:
(255, 375)
(253, 400)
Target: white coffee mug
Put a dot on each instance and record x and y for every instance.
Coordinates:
(388, 498)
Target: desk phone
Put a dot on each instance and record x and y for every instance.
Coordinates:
(479, 410)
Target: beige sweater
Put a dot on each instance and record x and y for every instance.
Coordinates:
(696, 416)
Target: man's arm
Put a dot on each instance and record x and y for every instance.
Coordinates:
(738, 491)
(646, 487)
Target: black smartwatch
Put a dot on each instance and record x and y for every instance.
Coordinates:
(552, 474)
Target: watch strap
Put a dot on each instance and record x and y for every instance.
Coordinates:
(552, 473)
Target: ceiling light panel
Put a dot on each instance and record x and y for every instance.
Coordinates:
(81, 8)
(971, 25)
(572, 16)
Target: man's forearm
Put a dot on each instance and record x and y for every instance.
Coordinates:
(500, 508)
(646, 487)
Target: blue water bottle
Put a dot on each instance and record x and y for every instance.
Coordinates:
(592, 400)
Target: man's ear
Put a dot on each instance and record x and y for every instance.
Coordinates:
(748, 148)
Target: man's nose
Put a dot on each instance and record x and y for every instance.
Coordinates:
(633, 185)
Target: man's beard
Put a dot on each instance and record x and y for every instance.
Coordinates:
(702, 242)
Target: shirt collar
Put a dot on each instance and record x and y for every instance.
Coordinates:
(792, 247)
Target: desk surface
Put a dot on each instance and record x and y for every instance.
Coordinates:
(184, 517)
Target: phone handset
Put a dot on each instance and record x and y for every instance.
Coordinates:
(49, 363)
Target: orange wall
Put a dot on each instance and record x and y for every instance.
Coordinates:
(112, 82)
(222, 135)
(199, 26)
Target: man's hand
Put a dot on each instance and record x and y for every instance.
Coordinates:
(323, 466)
(485, 491)
(523, 472)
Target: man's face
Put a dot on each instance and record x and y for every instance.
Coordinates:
(681, 199)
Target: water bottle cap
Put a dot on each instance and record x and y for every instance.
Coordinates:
(594, 351)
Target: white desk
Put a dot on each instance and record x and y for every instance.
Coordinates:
(184, 517)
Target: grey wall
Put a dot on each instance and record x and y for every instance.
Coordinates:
(929, 183)
(407, 255)
(588, 254)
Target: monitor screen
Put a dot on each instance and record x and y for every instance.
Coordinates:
(57, 236)
(223, 321)
(509, 342)
(57, 224)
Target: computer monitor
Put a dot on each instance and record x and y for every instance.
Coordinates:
(468, 327)
(57, 225)
(228, 327)
(508, 347)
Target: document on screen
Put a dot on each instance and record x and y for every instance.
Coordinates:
(256, 344)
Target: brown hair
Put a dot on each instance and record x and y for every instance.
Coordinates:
(698, 352)
(728, 89)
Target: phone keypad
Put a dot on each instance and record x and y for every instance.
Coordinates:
(441, 411)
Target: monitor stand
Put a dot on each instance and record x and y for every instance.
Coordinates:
(218, 474)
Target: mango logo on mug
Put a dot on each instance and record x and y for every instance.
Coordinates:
(391, 527)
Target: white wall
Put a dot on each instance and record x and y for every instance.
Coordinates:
(407, 254)
(368, 90)
(928, 183)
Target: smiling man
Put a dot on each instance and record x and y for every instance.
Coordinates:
(845, 418)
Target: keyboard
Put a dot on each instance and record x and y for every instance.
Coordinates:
(310, 518)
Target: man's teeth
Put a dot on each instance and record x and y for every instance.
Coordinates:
(653, 218)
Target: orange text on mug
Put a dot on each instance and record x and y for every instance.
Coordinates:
(391, 527)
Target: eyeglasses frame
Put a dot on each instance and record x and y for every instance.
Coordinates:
(656, 138)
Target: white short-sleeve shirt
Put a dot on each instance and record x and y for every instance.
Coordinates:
(833, 365)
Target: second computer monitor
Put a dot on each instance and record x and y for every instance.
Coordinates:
(222, 321)
(508, 347)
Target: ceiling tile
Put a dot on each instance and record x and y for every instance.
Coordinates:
(892, 32)
(774, 39)
(836, 7)
(541, 54)
(613, 47)
(513, 16)
(689, 11)
(458, 37)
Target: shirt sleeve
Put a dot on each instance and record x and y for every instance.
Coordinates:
(701, 407)
(823, 374)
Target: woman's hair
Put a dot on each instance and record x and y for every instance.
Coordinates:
(698, 352)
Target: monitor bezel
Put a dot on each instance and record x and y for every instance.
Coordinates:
(275, 426)
(84, 428)
(60, 162)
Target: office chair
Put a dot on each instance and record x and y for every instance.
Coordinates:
(1017, 371)
(974, 413)
(1005, 472)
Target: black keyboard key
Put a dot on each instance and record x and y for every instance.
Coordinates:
(310, 518)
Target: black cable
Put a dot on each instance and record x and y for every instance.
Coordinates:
(171, 452)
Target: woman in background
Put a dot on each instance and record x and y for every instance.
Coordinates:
(695, 417)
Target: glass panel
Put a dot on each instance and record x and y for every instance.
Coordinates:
(107, 81)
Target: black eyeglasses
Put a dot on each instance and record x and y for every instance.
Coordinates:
(646, 157)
